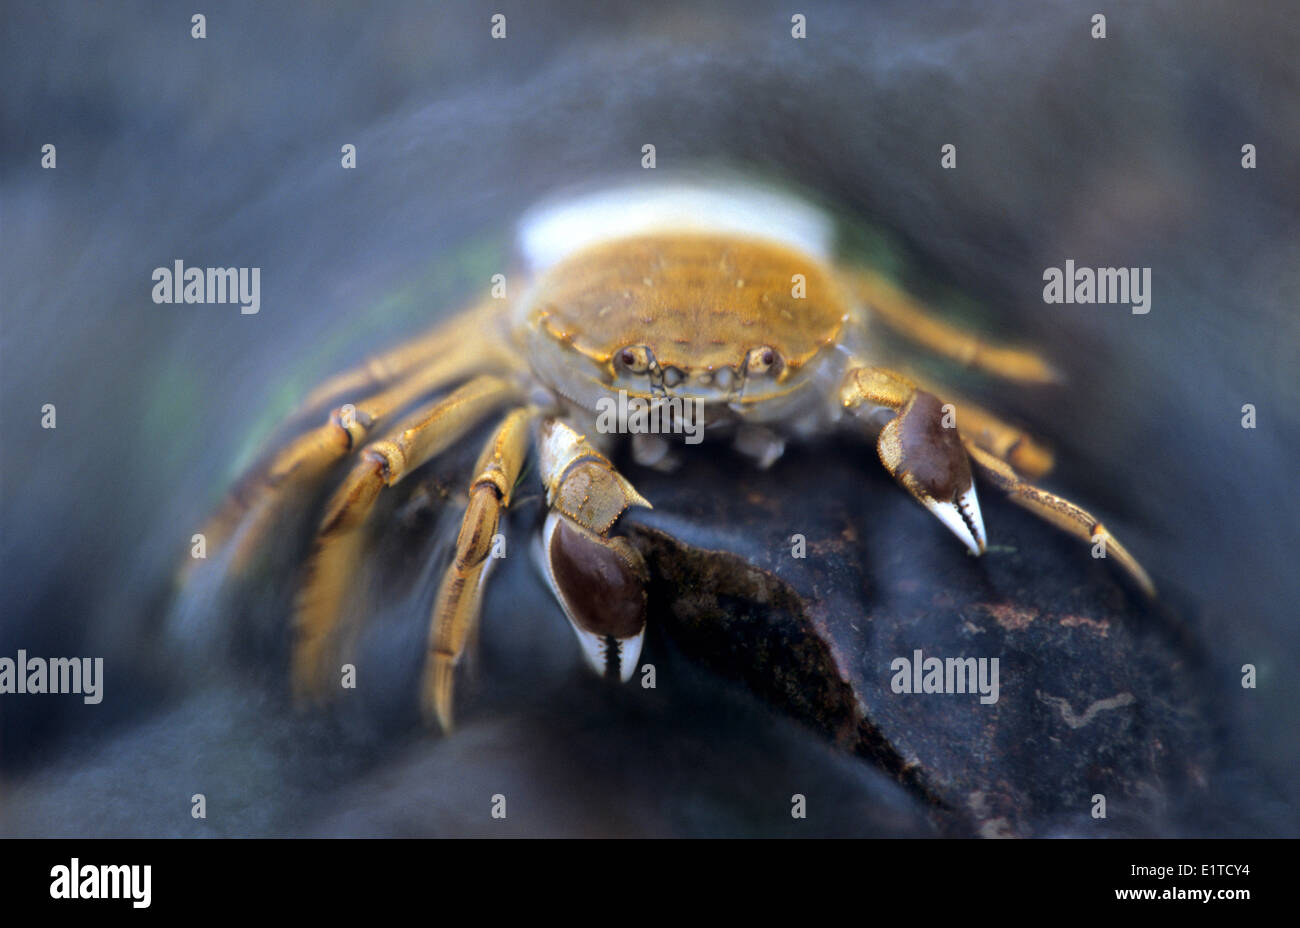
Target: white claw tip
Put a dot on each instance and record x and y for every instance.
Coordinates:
(963, 519)
(596, 649)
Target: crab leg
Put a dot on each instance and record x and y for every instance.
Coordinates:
(1060, 512)
(257, 500)
(924, 456)
(933, 464)
(1018, 448)
(413, 442)
(456, 609)
(910, 319)
(599, 579)
(448, 337)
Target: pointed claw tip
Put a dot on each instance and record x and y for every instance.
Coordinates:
(436, 702)
(436, 712)
(595, 649)
(963, 519)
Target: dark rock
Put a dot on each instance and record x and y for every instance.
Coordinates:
(1099, 693)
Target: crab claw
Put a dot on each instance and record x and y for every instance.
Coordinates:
(928, 459)
(600, 583)
(962, 518)
(599, 579)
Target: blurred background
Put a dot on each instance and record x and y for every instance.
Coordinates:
(225, 151)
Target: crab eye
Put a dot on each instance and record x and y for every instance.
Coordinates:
(762, 360)
(636, 359)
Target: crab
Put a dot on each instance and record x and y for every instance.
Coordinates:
(721, 303)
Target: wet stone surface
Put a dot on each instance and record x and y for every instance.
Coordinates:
(1099, 693)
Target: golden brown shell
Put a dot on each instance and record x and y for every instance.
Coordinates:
(699, 302)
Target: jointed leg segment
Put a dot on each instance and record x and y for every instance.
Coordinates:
(445, 344)
(908, 318)
(416, 440)
(1062, 513)
(1001, 439)
(449, 354)
(932, 462)
(457, 607)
